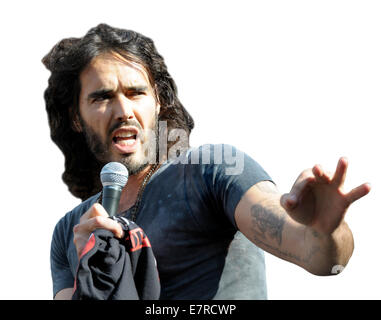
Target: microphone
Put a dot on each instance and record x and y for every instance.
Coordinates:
(114, 176)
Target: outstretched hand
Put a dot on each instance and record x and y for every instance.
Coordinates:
(317, 198)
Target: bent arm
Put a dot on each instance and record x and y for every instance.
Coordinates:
(261, 218)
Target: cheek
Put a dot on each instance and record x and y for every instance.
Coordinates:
(96, 119)
(146, 113)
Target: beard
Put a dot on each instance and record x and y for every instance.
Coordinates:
(134, 163)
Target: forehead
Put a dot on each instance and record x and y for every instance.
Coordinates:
(111, 70)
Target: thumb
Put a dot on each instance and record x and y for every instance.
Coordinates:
(288, 201)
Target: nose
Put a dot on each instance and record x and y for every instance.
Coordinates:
(123, 109)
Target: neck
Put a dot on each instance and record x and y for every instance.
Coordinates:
(130, 191)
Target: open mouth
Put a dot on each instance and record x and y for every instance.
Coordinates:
(125, 139)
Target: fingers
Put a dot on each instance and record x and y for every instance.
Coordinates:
(339, 176)
(341, 172)
(324, 186)
(321, 175)
(94, 218)
(95, 210)
(358, 192)
(300, 187)
(100, 222)
(288, 201)
(97, 218)
(310, 177)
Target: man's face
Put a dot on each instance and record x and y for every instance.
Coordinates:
(118, 112)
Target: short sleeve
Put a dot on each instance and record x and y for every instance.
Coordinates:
(229, 175)
(60, 269)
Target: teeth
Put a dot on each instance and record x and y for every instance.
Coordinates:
(125, 135)
(126, 142)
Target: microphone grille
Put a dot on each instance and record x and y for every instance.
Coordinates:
(114, 173)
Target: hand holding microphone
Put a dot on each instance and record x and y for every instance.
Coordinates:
(114, 177)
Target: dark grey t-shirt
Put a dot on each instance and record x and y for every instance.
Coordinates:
(187, 212)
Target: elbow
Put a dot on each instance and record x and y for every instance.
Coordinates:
(330, 267)
(334, 254)
(329, 271)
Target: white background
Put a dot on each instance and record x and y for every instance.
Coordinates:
(292, 83)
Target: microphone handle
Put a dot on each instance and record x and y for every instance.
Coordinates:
(110, 199)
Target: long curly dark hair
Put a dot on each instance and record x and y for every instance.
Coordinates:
(67, 59)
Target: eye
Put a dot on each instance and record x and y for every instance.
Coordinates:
(135, 93)
(102, 97)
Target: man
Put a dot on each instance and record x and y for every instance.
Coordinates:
(110, 98)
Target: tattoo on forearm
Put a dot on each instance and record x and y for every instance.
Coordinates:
(268, 221)
(289, 255)
(316, 234)
(285, 254)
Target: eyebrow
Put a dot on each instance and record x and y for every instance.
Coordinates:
(104, 91)
(137, 88)
(99, 93)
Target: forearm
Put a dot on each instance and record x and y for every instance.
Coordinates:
(320, 254)
(267, 224)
